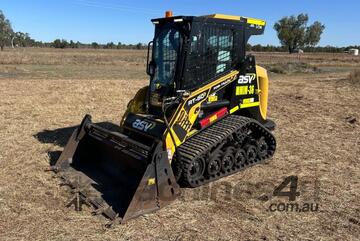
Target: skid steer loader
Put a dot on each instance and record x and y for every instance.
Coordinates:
(203, 116)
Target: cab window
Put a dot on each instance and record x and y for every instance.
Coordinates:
(210, 55)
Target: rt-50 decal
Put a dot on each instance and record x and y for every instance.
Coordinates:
(143, 125)
(246, 79)
(197, 99)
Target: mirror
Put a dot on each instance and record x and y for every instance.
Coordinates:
(151, 68)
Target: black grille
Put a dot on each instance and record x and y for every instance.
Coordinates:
(210, 55)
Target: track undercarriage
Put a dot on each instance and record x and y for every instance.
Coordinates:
(226, 147)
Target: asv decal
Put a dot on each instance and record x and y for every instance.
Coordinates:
(142, 125)
(246, 79)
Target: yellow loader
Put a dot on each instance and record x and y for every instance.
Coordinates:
(202, 117)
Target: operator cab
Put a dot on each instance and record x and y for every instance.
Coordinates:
(189, 52)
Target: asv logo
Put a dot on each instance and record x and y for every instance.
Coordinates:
(246, 79)
(142, 125)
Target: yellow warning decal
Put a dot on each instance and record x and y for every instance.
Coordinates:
(241, 90)
(234, 109)
(248, 100)
(212, 98)
(251, 90)
(247, 105)
(245, 90)
(213, 118)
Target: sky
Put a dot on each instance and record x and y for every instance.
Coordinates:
(128, 21)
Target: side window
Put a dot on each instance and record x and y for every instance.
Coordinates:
(166, 48)
(210, 55)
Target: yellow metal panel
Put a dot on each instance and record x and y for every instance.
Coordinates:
(136, 104)
(237, 18)
(255, 21)
(192, 132)
(264, 89)
(224, 16)
(191, 115)
(169, 142)
(232, 75)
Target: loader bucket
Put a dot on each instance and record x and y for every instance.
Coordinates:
(120, 177)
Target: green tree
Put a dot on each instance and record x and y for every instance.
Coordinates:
(139, 46)
(294, 33)
(60, 43)
(16, 39)
(6, 31)
(313, 34)
(95, 45)
(74, 45)
(110, 45)
(22, 40)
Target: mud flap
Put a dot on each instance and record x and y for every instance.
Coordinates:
(120, 177)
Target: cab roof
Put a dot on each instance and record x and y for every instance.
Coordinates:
(237, 18)
(250, 21)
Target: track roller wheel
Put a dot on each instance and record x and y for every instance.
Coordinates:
(195, 170)
(251, 153)
(241, 135)
(262, 148)
(228, 160)
(214, 164)
(240, 158)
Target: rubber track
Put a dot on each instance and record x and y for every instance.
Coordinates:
(208, 139)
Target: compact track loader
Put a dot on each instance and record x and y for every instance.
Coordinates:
(202, 117)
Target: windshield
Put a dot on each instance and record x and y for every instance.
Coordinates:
(166, 49)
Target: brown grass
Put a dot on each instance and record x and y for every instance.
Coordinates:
(39, 63)
(315, 142)
(316, 59)
(291, 68)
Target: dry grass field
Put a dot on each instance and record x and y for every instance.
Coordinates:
(45, 93)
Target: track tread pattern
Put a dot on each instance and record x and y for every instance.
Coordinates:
(221, 132)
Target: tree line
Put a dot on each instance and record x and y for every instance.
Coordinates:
(62, 43)
(10, 38)
(322, 49)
